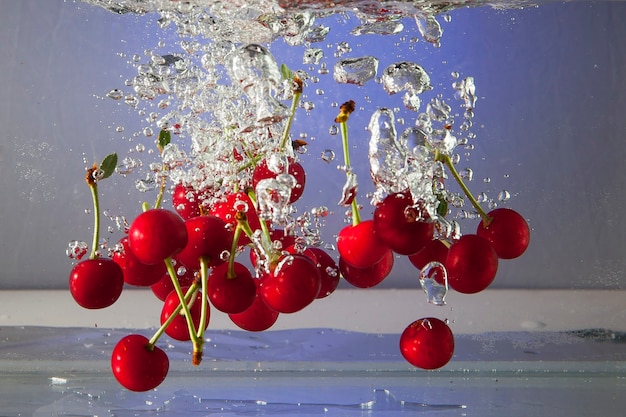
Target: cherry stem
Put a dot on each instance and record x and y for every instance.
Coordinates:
(266, 239)
(292, 113)
(343, 126)
(204, 266)
(159, 198)
(190, 292)
(447, 161)
(197, 343)
(93, 187)
(230, 274)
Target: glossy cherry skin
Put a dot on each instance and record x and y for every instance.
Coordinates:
(208, 238)
(359, 245)
(262, 171)
(136, 366)
(157, 234)
(397, 224)
(96, 283)
(292, 285)
(370, 276)
(507, 232)
(434, 251)
(256, 318)
(329, 272)
(227, 210)
(136, 272)
(427, 343)
(231, 295)
(186, 201)
(178, 328)
(471, 264)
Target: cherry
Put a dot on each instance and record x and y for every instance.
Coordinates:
(262, 171)
(507, 232)
(280, 241)
(208, 238)
(137, 365)
(256, 318)
(398, 224)
(360, 246)
(157, 234)
(178, 328)
(370, 276)
(136, 272)
(293, 284)
(427, 343)
(164, 286)
(96, 283)
(227, 210)
(471, 264)
(231, 294)
(186, 201)
(329, 271)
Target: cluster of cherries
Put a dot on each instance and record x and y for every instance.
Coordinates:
(188, 254)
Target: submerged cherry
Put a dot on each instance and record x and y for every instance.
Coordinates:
(471, 264)
(427, 343)
(157, 234)
(137, 365)
(360, 246)
(96, 283)
(507, 232)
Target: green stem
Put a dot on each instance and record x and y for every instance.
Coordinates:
(190, 292)
(204, 266)
(96, 220)
(356, 216)
(294, 106)
(197, 344)
(159, 199)
(447, 161)
(230, 274)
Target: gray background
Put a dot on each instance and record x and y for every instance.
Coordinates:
(549, 124)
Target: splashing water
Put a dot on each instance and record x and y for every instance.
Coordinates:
(434, 281)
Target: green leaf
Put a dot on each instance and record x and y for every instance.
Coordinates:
(108, 165)
(442, 207)
(165, 137)
(286, 72)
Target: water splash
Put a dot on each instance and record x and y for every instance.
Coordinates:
(356, 70)
(434, 281)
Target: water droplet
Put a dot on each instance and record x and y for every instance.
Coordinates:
(434, 281)
(313, 56)
(504, 196)
(115, 94)
(333, 130)
(430, 29)
(76, 249)
(355, 70)
(328, 156)
(403, 76)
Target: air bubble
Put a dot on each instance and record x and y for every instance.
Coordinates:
(434, 281)
(115, 94)
(328, 156)
(504, 196)
(76, 249)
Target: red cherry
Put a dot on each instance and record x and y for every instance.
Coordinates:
(370, 276)
(186, 201)
(208, 238)
(507, 232)
(292, 285)
(164, 286)
(231, 295)
(157, 234)
(329, 272)
(262, 171)
(96, 283)
(471, 264)
(136, 272)
(178, 328)
(136, 366)
(226, 210)
(427, 343)
(256, 318)
(398, 225)
(280, 241)
(434, 251)
(360, 246)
